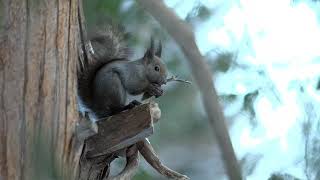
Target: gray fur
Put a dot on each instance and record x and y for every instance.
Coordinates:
(115, 80)
(103, 84)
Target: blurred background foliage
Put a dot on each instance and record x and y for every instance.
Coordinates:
(247, 85)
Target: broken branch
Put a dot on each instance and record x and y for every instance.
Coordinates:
(147, 151)
(132, 165)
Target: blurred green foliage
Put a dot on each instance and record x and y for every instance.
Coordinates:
(222, 62)
(199, 13)
(248, 106)
(279, 176)
(1, 16)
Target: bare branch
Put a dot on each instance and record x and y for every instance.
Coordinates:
(147, 151)
(131, 166)
(181, 32)
(175, 78)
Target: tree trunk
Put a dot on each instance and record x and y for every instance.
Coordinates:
(38, 109)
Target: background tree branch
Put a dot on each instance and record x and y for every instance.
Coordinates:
(183, 35)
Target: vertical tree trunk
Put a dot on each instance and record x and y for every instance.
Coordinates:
(38, 55)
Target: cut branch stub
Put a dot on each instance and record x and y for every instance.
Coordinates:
(120, 131)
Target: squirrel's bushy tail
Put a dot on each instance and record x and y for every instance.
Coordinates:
(107, 44)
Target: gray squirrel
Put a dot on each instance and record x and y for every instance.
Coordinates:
(105, 81)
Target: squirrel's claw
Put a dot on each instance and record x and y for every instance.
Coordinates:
(132, 104)
(135, 103)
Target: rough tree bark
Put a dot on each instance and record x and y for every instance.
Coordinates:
(38, 55)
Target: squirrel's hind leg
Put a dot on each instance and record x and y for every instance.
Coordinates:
(110, 96)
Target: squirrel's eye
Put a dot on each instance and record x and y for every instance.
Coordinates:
(157, 68)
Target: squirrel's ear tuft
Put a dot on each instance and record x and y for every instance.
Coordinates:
(159, 49)
(150, 51)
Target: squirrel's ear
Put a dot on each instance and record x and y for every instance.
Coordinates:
(159, 49)
(150, 51)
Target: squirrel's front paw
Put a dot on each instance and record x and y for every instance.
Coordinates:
(132, 104)
(154, 90)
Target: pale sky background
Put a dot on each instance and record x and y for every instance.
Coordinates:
(280, 39)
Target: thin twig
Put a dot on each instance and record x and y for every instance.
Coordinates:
(132, 165)
(175, 78)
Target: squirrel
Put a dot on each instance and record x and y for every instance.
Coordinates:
(106, 80)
